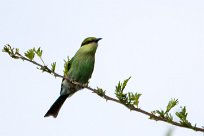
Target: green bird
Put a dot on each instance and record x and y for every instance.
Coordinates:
(80, 69)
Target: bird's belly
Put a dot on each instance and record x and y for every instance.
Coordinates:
(69, 88)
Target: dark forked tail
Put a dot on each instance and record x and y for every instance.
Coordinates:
(55, 108)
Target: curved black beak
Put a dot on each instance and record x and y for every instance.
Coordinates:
(98, 39)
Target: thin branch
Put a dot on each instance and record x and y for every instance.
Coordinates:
(152, 116)
(104, 96)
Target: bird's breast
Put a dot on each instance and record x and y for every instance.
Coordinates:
(81, 68)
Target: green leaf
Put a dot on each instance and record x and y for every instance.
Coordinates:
(13, 52)
(169, 117)
(160, 113)
(136, 99)
(53, 65)
(100, 92)
(30, 54)
(182, 115)
(123, 97)
(7, 49)
(38, 52)
(172, 103)
(67, 64)
(125, 83)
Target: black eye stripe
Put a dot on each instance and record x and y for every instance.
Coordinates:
(87, 42)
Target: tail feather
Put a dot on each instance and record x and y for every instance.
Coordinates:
(55, 108)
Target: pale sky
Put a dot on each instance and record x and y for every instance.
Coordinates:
(159, 43)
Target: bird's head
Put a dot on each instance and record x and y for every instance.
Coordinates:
(90, 40)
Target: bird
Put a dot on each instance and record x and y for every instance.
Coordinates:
(80, 69)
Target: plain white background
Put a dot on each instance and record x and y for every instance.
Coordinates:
(159, 43)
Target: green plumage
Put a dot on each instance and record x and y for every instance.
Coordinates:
(80, 69)
(82, 64)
